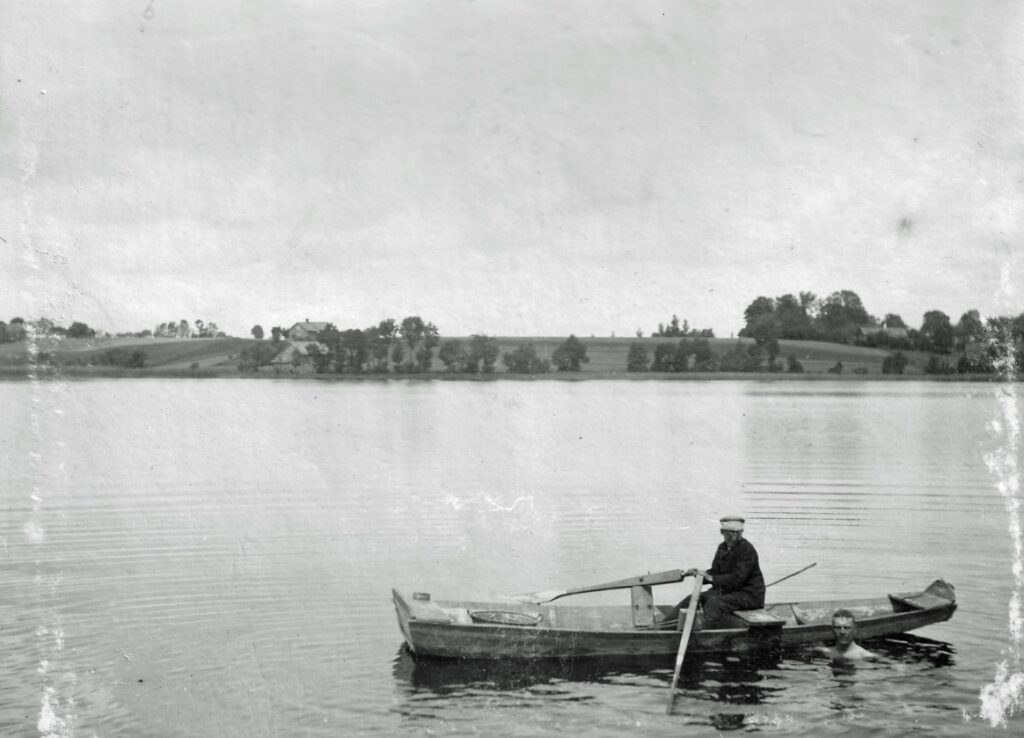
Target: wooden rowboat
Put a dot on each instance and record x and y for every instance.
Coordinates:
(513, 629)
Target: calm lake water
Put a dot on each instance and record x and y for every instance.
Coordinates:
(187, 558)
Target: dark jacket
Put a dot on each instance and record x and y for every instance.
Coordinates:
(738, 571)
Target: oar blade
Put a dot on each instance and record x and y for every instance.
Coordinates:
(684, 640)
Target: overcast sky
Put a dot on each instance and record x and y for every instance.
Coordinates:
(511, 168)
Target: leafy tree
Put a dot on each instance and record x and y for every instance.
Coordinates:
(840, 315)
(183, 329)
(764, 323)
(80, 330)
(483, 354)
(257, 332)
(704, 359)
(791, 318)
(741, 358)
(424, 358)
(970, 329)
(675, 330)
(321, 359)
(936, 365)
(760, 307)
(413, 331)
(637, 359)
(664, 358)
(937, 332)
(524, 360)
(892, 320)
(398, 357)
(380, 344)
(275, 334)
(793, 365)
(252, 357)
(453, 355)
(43, 327)
(570, 355)
(330, 353)
(353, 351)
(203, 329)
(15, 330)
(977, 365)
(680, 361)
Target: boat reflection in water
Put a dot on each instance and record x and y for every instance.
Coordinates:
(726, 692)
(730, 679)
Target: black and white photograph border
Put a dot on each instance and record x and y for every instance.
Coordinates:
(404, 367)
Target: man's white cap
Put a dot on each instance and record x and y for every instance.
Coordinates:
(732, 523)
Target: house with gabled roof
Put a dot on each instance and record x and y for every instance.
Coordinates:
(294, 356)
(306, 330)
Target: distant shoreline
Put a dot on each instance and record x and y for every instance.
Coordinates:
(23, 374)
(606, 360)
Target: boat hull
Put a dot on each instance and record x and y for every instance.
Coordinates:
(447, 629)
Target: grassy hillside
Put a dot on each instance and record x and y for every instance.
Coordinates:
(608, 355)
(161, 353)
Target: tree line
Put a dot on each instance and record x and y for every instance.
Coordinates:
(842, 318)
(409, 346)
(18, 329)
(182, 329)
(696, 355)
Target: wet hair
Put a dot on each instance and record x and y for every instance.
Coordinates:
(844, 613)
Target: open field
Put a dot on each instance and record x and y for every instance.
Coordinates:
(161, 353)
(219, 357)
(608, 355)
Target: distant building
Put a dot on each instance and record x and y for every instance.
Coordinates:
(294, 355)
(876, 335)
(306, 331)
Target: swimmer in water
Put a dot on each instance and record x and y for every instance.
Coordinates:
(844, 628)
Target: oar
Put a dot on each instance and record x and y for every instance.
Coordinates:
(691, 613)
(688, 628)
(661, 577)
(793, 574)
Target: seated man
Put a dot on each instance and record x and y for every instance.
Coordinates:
(735, 577)
(844, 628)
